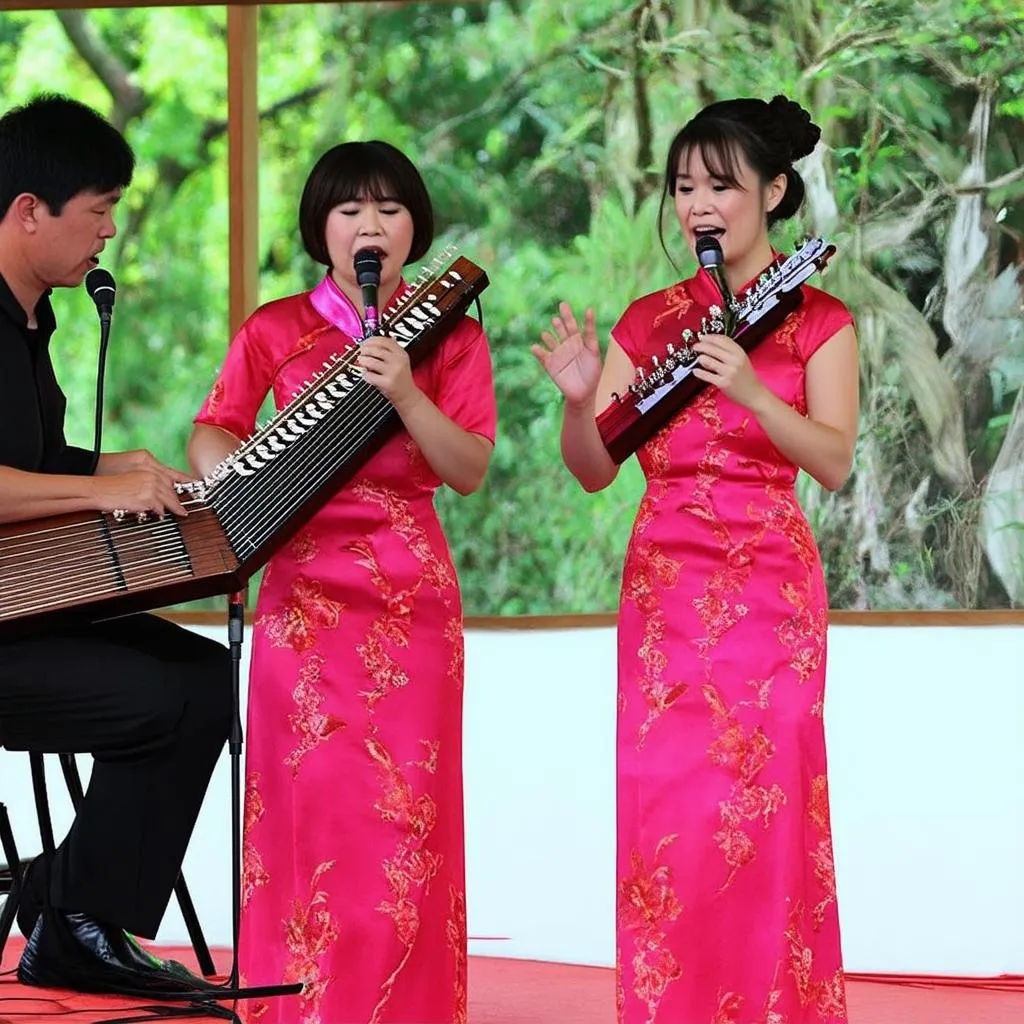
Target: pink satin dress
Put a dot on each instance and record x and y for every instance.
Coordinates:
(354, 873)
(726, 896)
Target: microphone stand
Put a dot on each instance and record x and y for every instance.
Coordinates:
(100, 371)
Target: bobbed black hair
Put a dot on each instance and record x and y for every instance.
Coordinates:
(356, 170)
(54, 147)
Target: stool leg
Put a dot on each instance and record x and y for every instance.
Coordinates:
(69, 766)
(14, 868)
(42, 802)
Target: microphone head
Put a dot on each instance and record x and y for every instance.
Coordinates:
(367, 266)
(99, 283)
(709, 251)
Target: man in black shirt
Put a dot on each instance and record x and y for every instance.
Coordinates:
(149, 700)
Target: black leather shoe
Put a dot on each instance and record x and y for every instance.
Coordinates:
(140, 957)
(74, 951)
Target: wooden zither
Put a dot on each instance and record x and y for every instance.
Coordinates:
(665, 383)
(95, 565)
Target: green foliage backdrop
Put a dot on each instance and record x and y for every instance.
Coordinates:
(541, 127)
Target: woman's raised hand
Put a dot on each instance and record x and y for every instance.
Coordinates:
(571, 355)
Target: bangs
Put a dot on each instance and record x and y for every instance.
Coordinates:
(719, 146)
(368, 170)
(375, 184)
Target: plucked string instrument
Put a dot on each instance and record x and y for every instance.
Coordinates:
(98, 565)
(664, 383)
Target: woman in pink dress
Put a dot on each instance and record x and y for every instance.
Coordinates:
(726, 900)
(353, 877)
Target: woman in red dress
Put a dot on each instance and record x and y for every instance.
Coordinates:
(353, 856)
(726, 899)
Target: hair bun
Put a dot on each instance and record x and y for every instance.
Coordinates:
(796, 124)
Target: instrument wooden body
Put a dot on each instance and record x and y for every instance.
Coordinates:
(96, 566)
(665, 383)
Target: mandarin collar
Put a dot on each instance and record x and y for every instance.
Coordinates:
(338, 309)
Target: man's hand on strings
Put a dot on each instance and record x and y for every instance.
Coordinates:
(111, 463)
(142, 491)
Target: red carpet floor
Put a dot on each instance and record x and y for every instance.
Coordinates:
(524, 992)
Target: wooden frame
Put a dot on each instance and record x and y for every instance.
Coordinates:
(243, 261)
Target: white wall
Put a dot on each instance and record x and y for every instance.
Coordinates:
(926, 748)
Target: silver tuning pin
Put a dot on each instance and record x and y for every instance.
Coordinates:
(121, 515)
(687, 352)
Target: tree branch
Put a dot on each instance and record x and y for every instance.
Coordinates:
(215, 128)
(987, 186)
(642, 110)
(506, 92)
(851, 41)
(129, 99)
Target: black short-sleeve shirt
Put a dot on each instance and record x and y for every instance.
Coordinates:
(32, 405)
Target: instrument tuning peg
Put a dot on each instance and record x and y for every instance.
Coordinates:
(654, 361)
(671, 349)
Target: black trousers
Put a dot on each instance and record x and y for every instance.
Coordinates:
(151, 702)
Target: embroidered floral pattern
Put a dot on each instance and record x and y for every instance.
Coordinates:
(457, 666)
(411, 868)
(309, 934)
(409, 871)
(304, 547)
(677, 304)
(744, 754)
(652, 573)
(392, 627)
(643, 580)
(821, 855)
(419, 468)
(216, 397)
(457, 938)
(308, 722)
(437, 571)
(729, 1004)
(254, 875)
(306, 611)
(826, 995)
(647, 903)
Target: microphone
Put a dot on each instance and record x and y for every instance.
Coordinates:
(367, 268)
(99, 283)
(710, 257)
